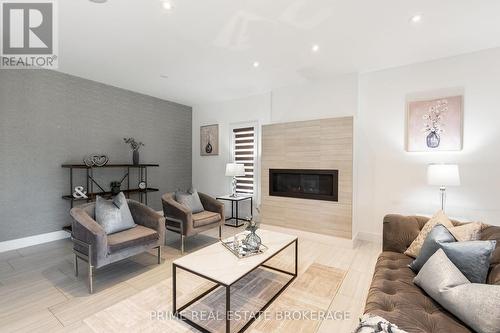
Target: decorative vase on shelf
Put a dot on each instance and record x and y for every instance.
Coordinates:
(134, 145)
(135, 157)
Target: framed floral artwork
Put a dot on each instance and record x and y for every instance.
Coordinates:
(435, 125)
(209, 140)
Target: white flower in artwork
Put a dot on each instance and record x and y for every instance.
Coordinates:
(433, 122)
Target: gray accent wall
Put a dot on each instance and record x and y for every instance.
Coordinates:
(48, 118)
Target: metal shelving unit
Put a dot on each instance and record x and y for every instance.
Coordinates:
(142, 176)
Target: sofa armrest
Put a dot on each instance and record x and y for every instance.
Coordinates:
(87, 230)
(148, 218)
(400, 231)
(211, 204)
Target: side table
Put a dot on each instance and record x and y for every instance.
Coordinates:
(235, 202)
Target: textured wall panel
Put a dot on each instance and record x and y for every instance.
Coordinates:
(316, 144)
(48, 118)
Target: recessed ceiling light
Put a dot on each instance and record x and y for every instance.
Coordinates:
(256, 64)
(315, 48)
(167, 5)
(416, 18)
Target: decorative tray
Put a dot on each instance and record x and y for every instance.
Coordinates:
(243, 251)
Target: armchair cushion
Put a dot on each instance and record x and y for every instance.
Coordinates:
(114, 215)
(190, 199)
(204, 218)
(132, 237)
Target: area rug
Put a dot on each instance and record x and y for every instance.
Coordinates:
(150, 310)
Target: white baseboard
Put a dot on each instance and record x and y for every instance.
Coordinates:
(19, 243)
(368, 237)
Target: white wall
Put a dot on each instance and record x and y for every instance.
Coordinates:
(208, 171)
(332, 98)
(387, 179)
(329, 99)
(395, 179)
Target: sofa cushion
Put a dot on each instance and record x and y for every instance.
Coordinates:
(467, 232)
(205, 217)
(416, 245)
(439, 234)
(471, 258)
(400, 231)
(476, 304)
(395, 297)
(493, 233)
(137, 236)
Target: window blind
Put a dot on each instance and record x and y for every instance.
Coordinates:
(244, 153)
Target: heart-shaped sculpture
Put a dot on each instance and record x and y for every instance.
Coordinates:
(100, 160)
(88, 161)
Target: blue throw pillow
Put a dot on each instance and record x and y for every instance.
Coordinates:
(471, 258)
(438, 234)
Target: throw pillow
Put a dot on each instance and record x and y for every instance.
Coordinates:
(416, 245)
(471, 258)
(375, 324)
(113, 215)
(477, 305)
(467, 232)
(190, 199)
(439, 234)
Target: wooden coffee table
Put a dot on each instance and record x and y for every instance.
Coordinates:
(216, 264)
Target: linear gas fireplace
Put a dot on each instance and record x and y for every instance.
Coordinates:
(304, 184)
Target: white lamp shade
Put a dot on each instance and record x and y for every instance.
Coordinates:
(235, 170)
(443, 175)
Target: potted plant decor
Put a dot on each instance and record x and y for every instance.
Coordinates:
(135, 149)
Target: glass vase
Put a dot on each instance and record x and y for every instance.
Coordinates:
(253, 241)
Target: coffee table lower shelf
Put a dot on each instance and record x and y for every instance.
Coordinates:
(177, 311)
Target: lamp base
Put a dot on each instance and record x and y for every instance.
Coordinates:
(442, 189)
(234, 194)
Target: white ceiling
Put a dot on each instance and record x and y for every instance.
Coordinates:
(207, 47)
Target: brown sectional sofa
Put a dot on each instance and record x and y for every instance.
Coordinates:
(393, 295)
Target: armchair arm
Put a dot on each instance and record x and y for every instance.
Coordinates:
(174, 210)
(400, 231)
(86, 229)
(147, 217)
(211, 204)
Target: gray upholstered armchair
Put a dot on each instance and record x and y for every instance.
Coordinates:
(181, 219)
(92, 245)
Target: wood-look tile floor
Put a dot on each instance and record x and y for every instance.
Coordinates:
(39, 293)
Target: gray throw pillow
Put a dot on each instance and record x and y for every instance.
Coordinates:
(438, 234)
(471, 258)
(477, 305)
(113, 215)
(190, 199)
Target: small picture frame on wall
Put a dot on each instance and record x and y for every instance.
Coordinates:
(435, 124)
(209, 140)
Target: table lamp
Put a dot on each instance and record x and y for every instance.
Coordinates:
(443, 175)
(235, 170)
